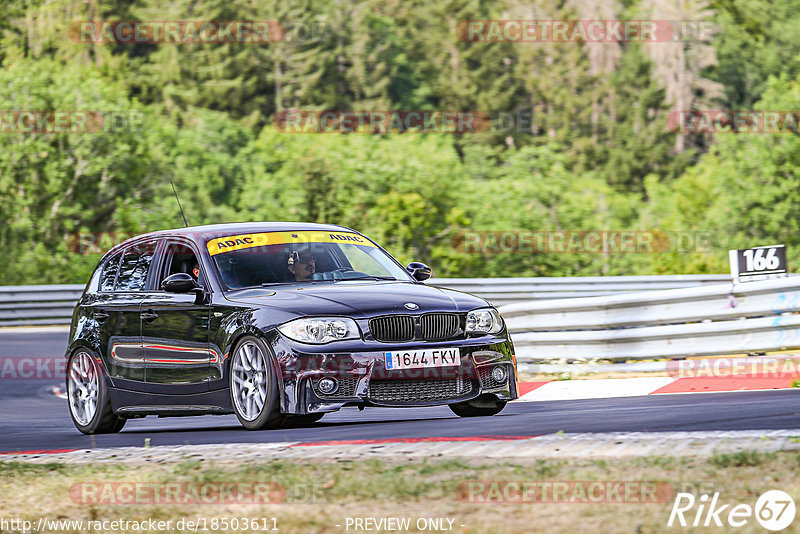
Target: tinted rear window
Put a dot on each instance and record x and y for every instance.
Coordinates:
(109, 275)
(134, 267)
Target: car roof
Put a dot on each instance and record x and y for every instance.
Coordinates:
(199, 234)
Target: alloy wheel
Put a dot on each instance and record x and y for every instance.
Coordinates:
(83, 388)
(249, 380)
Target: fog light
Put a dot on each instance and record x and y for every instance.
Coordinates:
(499, 373)
(328, 385)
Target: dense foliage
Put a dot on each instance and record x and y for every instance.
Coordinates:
(590, 150)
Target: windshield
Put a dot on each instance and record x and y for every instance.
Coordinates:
(252, 260)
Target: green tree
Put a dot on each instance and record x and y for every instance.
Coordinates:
(744, 192)
(55, 184)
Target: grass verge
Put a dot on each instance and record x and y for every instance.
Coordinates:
(321, 495)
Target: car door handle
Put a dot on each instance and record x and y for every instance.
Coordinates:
(148, 316)
(100, 316)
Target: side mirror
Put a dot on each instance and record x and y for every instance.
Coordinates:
(179, 283)
(419, 271)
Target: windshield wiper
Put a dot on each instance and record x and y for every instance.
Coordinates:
(368, 278)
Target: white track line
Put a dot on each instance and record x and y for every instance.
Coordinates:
(597, 389)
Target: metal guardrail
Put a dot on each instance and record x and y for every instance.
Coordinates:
(501, 291)
(53, 304)
(700, 321)
(639, 320)
(38, 305)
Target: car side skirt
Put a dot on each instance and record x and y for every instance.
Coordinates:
(128, 403)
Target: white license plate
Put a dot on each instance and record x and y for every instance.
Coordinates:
(417, 359)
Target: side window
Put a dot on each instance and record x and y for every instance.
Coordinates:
(134, 266)
(181, 259)
(109, 274)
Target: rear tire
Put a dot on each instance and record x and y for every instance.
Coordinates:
(484, 405)
(254, 385)
(87, 396)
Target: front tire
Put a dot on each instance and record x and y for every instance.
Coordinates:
(87, 396)
(484, 405)
(254, 385)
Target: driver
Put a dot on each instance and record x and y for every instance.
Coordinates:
(301, 264)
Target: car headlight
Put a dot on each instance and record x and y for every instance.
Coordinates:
(320, 329)
(484, 321)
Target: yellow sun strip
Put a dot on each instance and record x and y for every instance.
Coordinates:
(243, 241)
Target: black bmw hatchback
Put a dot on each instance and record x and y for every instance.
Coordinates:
(277, 323)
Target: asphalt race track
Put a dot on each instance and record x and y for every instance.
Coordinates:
(32, 419)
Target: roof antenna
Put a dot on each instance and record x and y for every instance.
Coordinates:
(179, 204)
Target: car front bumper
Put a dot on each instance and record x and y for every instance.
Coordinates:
(363, 380)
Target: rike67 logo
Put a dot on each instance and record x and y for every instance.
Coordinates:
(774, 510)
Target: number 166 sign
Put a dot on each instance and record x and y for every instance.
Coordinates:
(758, 263)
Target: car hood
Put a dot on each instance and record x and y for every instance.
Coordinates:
(357, 298)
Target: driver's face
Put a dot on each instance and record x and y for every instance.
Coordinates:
(304, 267)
